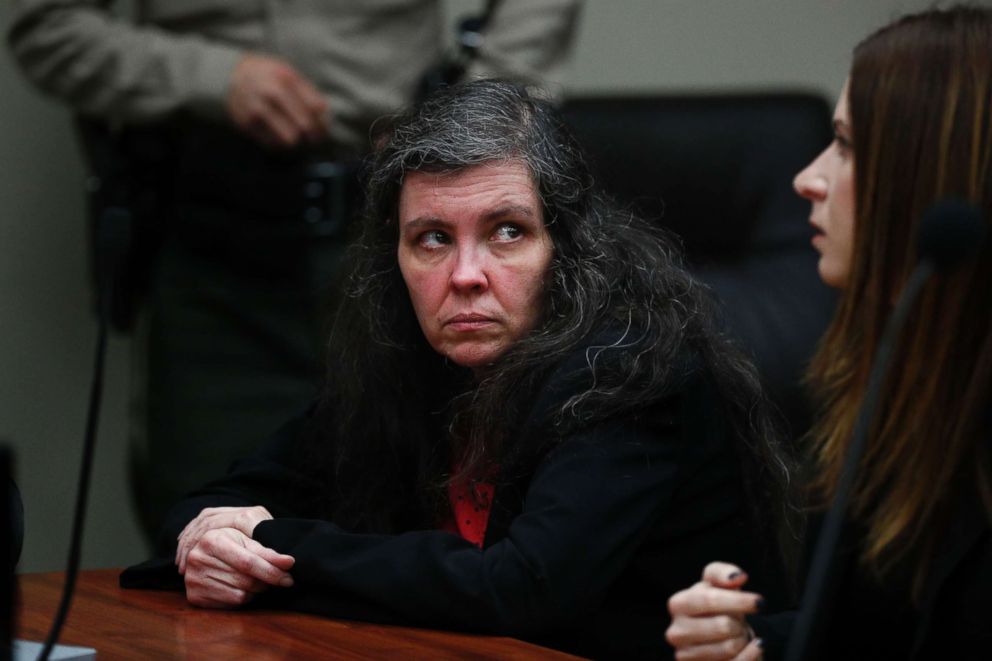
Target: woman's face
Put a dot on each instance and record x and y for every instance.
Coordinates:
(828, 182)
(474, 254)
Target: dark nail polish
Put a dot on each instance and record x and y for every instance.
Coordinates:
(759, 642)
(759, 604)
(734, 575)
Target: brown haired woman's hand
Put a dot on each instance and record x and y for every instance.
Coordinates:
(708, 618)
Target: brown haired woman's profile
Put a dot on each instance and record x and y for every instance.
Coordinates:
(913, 126)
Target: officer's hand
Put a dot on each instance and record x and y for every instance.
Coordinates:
(274, 104)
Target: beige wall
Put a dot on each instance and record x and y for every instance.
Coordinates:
(47, 333)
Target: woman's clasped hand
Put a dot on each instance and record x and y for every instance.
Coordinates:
(708, 619)
(222, 565)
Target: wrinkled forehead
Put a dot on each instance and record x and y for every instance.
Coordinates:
(487, 170)
(484, 188)
(446, 170)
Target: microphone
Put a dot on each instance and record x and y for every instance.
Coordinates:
(950, 232)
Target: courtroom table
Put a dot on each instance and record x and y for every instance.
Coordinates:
(146, 624)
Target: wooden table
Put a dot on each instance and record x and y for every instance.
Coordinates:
(142, 624)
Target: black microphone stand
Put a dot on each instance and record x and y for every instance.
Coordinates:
(821, 584)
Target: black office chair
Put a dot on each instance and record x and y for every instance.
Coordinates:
(718, 170)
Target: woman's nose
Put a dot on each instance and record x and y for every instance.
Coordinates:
(469, 272)
(810, 184)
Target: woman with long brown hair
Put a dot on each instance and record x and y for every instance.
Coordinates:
(913, 126)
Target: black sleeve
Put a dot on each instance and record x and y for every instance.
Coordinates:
(270, 478)
(587, 508)
(773, 630)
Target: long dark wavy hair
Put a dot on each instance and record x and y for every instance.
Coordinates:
(397, 412)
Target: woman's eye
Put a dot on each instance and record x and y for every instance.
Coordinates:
(506, 232)
(432, 239)
(843, 144)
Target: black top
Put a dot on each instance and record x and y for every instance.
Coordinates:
(876, 619)
(581, 552)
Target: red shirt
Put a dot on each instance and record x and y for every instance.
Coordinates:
(470, 507)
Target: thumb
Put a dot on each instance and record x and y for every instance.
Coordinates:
(724, 575)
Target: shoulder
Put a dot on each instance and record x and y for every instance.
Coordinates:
(613, 375)
(618, 362)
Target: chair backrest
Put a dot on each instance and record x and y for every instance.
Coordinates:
(717, 170)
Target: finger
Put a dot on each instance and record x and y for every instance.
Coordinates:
(280, 560)
(208, 513)
(305, 105)
(195, 523)
(316, 105)
(291, 106)
(192, 531)
(688, 631)
(703, 599)
(271, 126)
(206, 591)
(724, 575)
(212, 517)
(233, 579)
(752, 652)
(311, 96)
(720, 651)
(187, 542)
(243, 560)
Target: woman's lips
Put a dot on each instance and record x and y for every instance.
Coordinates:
(818, 233)
(469, 322)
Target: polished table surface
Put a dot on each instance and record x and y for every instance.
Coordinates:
(143, 624)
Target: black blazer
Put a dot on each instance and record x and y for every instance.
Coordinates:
(581, 553)
(869, 620)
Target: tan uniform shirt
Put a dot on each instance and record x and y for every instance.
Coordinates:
(367, 56)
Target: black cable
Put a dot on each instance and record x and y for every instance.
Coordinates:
(112, 240)
(89, 444)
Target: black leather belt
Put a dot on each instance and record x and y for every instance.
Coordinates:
(221, 169)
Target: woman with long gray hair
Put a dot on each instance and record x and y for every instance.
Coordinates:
(530, 425)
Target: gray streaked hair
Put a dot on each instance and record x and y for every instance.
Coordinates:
(615, 283)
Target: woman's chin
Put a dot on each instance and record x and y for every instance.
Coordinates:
(474, 355)
(832, 274)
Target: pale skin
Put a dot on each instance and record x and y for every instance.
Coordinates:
(474, 254)
(708, 619)
(828, 183)
(273, 103)
(222, 566)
